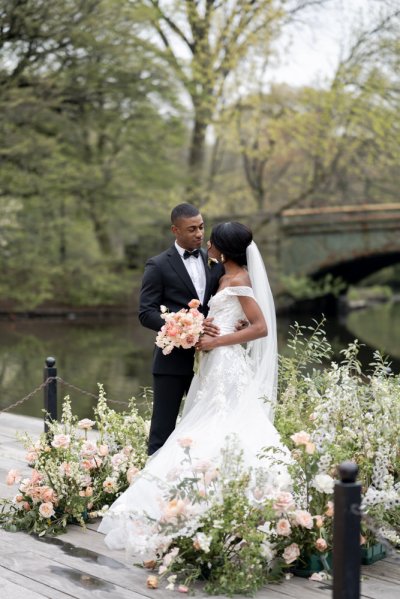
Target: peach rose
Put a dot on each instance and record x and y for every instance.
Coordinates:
(183, 588)
(304, 519)
(13, 477)
(61, 441)
(46, 510)
(31, 457)
(47, 494)
(321, 544)
(291, 553)
(329, 509)
(283, 527)
(319, 521)
(194, 303)
(310, 448)
(103, 450)
(152, 582)
(300, 438)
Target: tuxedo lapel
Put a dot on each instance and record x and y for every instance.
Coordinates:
(207, 269)
(176, 263)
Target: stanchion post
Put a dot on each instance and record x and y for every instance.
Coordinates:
(50, 391)
(346, 534)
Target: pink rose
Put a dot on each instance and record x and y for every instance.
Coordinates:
(13, 477)
(300, 438)
(86, 424)
(47, 494)
(61, 441)
(183, 588)
(46, 510)
(283, 527)
(31, 457)
(103, 450)
(291, 553)
(283, 503)
(321, 544)
(304, 519)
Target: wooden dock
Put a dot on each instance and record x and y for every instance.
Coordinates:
(79, 565)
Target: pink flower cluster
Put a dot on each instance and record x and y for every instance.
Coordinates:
(181, 329)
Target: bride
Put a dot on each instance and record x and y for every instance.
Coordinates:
(233, 393)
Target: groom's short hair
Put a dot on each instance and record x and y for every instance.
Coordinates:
(183, 211)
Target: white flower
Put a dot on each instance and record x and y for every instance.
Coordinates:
(324, 483)
(86, 424)
(267, 551)
(202, 542)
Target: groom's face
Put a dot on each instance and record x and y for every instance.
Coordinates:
(189, 232)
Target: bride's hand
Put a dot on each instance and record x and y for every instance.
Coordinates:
(209, 328)
(205, 343)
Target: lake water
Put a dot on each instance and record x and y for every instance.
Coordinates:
(118, 353)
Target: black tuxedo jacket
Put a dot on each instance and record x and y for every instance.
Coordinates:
(167, 282)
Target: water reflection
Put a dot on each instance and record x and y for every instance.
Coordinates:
(118, 354)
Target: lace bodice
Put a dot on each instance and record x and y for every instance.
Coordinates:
(226, 309)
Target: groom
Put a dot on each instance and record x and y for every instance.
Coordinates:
(172, 279)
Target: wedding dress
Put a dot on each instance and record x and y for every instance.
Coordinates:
(224, 400)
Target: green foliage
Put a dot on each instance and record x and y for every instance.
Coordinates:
(300, 288)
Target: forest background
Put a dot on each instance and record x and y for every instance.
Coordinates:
(113, 111)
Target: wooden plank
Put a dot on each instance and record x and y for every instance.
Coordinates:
(74, 582)
(20, 587)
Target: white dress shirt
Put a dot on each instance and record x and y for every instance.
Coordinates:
(196, 271)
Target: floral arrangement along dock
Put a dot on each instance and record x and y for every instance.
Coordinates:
(74, 478)
(220, 523)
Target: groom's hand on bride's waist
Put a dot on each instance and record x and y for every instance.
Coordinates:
(209, 328)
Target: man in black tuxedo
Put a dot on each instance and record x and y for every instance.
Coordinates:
(172, 279)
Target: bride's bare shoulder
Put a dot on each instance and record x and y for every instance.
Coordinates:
(241, 280)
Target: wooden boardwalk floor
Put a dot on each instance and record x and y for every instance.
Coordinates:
(79, 565)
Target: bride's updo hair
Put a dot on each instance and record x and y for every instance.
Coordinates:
(232, 240)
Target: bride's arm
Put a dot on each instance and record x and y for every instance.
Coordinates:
(257, 328)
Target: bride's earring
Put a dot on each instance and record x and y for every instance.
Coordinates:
(222, 259)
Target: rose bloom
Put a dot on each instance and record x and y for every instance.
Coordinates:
(47, 495)
(300, 438)
(183, 588)
(13, 477)
(61, 441)
(283, 527)
(202, 466)
(18, 498)
(86, 424)
(329, 509)
(46, 510)
(319, 521)
(152, 582)
(103, 450)
(174, 509)
(304, 519)
(89, 449)
(89, 492)
(31, 457)
(26, 506)
(321, 544)
(310, 448)
(291, 553)
(194, 303)
(131, 473)
(283, 503)
(185, 442)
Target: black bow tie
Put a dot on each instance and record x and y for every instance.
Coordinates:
(194, 253)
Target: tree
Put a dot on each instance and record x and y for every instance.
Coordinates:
(87, 152)
(206, 42)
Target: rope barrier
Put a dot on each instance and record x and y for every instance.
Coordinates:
(62, 382)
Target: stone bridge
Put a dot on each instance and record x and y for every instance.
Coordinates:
(347, 241)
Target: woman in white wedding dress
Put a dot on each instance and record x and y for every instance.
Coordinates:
(233, 392)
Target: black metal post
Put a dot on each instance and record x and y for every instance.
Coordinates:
(346, 534)
(50, 391)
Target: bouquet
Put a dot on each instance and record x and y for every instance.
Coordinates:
(181, 329)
